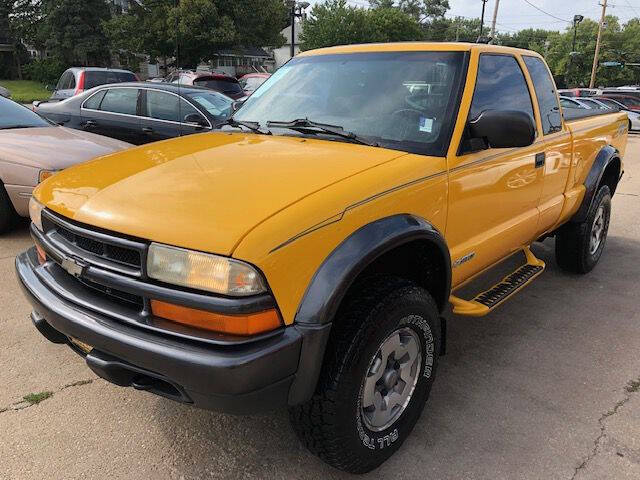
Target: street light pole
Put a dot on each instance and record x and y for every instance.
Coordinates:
(296, 11)
(484, 2)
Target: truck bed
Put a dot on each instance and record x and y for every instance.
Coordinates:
(571, 114)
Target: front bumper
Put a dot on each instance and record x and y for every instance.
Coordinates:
(242, 378)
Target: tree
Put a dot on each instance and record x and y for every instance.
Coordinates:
(72, 31)
(192, 30)
(337, 23)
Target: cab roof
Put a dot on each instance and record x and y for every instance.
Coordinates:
(417, 46)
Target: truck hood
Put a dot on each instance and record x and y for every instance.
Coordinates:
(54, 148)
(204, 192)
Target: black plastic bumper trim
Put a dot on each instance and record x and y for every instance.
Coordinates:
(217, 374)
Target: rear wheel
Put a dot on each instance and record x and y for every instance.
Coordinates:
(579, 246)
(378, 370)
(8, 214)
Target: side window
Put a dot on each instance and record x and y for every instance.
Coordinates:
(500, 86)
(546, 93)
(162, 106)
(64, 81)
(72, 81)
(187, 109)
(120, 100)
(94, 101)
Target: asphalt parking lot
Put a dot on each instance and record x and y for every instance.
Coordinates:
(547, 387)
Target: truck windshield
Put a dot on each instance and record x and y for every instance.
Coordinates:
(399, 100)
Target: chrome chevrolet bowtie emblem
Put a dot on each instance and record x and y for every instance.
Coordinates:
(73, 266)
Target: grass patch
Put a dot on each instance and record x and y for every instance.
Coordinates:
(26, 91)
(35, 398)
(633, 386)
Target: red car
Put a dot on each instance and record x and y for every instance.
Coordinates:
(251, 81)
(631, 102)
(215, 81)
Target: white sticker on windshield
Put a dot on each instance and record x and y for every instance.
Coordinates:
(426, 124)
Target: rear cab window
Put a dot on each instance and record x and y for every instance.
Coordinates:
(500, 85)
(223, 85)
(546, 92)
(97, 78)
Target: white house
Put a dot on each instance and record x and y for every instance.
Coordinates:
(283, 54)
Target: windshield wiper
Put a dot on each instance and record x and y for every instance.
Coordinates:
(253, 126)
(306, 125)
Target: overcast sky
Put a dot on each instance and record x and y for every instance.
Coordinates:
(515, 15)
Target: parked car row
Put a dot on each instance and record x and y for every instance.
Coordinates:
(625, 99)
(75, 81)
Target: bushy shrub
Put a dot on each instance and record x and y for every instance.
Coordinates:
(46, 71)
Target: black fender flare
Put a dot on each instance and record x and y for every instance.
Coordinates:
(605, 157)
(338, 272)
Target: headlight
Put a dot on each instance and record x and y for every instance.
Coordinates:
(203, 271)
(35, 212)
(44, 174)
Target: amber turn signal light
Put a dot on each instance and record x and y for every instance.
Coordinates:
(248, 324)
(42, 256)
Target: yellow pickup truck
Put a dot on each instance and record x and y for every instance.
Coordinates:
(306, 254)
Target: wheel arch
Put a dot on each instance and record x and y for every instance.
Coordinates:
(606, 170)
(368, 248)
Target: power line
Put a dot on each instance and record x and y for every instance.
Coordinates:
(546, 13)
(632, 8)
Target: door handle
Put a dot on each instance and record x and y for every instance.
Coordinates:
(540, 158)
(147, 129)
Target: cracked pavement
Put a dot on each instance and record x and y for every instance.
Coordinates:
(540, 389)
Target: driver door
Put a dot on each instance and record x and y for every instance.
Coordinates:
(493, 192)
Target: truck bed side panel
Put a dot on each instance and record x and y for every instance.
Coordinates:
(590, 135)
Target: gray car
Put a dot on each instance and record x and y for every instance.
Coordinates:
(78, 79)
(4, 92)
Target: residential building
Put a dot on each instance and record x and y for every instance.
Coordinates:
(283, 54)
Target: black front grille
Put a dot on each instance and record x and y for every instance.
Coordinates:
(116, 253)
(136, 300)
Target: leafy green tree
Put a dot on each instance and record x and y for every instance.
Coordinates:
(337, 23)
(192, 30)
(72, 31)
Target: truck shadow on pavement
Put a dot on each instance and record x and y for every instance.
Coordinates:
(515, 396)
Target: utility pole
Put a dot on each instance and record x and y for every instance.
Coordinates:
(595, 56)
(493, 22)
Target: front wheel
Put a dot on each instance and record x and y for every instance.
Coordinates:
(378, 370)
(579, 246)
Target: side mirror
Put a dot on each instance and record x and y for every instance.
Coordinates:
(235, 106)
(504, 128)
(196, 119)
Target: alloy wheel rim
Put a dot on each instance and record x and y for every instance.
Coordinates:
(391, 379)
(597, 231)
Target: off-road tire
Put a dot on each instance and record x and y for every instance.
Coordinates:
(8, 215)
(573, 239)
(330, 424)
